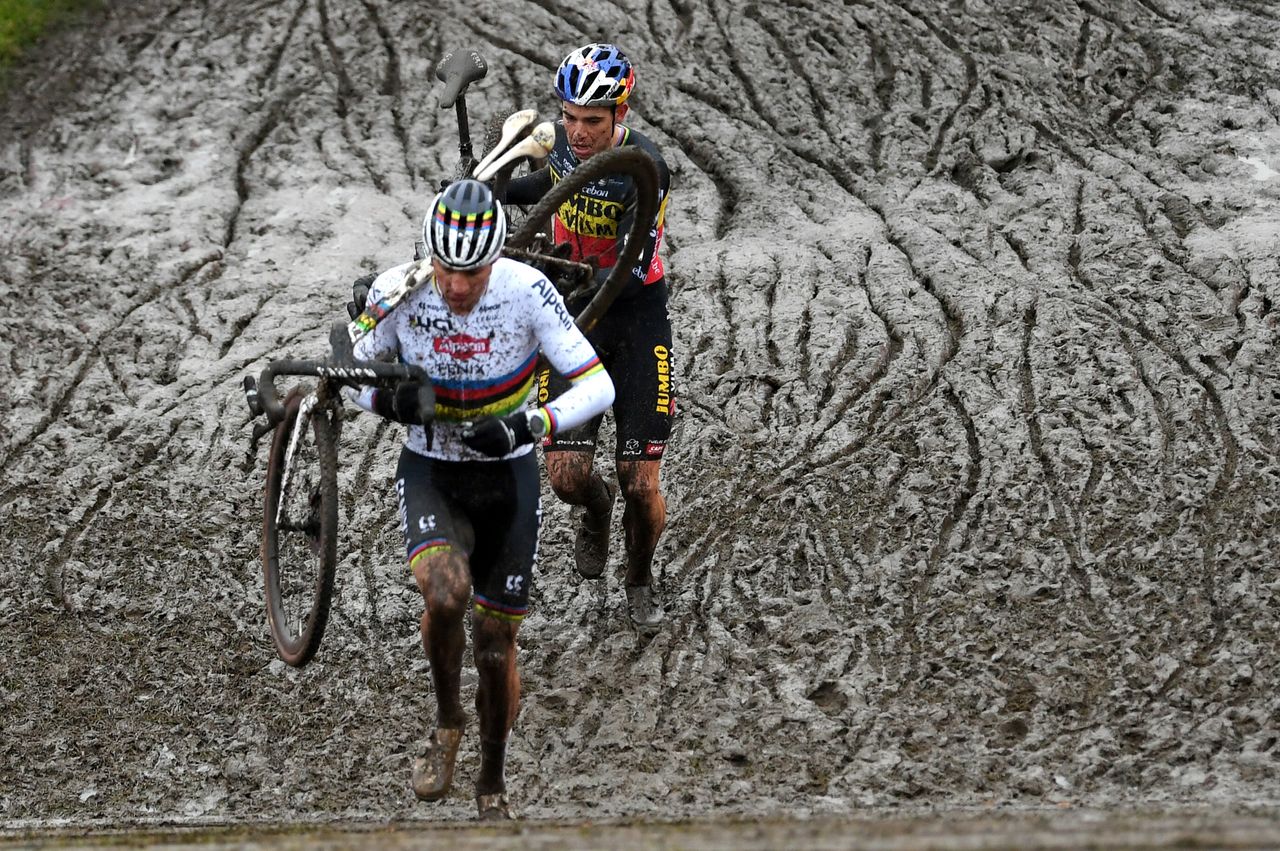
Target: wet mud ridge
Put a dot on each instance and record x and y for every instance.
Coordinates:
(973, 495)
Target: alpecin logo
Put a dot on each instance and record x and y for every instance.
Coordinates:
(461, 346)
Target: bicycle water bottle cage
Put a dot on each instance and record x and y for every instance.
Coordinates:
(458, 70)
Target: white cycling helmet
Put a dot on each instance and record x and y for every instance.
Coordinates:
(595, 75)
(465, 227)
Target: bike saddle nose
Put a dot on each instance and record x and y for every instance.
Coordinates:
(458, 70)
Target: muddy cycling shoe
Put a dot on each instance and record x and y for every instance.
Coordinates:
(591, 549)
(493, 807)
(646, 611)
(433, 771)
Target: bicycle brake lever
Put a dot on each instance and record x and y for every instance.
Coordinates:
(251, 397)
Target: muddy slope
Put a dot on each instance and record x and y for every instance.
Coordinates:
(974, 488)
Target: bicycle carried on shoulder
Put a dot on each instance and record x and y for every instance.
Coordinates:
(299, 548)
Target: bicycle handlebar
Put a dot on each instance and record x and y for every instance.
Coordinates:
(351, 374)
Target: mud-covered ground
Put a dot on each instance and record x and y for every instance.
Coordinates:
(973, 492)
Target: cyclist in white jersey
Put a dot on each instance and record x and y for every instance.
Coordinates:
(467, 481)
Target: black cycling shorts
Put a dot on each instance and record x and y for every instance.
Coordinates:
(487, 510)
(633, 340)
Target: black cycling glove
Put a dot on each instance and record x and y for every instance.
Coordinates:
(359, 295)
(498, 437)
(409, 402)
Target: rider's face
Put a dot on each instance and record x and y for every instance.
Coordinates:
(461, 289)
(590, 128)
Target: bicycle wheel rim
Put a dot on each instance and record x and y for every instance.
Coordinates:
(632, 162)
(300, 530)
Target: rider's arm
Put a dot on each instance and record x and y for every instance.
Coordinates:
(591, 389)
(529, 188)
(379, 344)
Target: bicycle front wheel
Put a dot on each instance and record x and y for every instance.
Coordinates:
(632, 162)
(300, 527)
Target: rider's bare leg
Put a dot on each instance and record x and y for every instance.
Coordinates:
(497, 695)
(643, 519)
(445, 583)
(575, 481)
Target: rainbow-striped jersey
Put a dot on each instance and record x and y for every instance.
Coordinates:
(483, 363)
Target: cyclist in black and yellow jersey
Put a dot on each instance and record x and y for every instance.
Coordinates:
(633, 338)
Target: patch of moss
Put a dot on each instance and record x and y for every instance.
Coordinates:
(22, 22)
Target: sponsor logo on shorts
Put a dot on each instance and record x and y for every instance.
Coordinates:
(663, 405)
(404, 513)
(655, 448)
(544, 388)
(461, 346)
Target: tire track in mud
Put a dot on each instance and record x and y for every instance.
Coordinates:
(823, 108)
(1143, 213)
(1062, 522)
(920, 588)
(704, 156)
(883, 72)
(889, 352)
(489, 29)
(953, 324)
(684, 23)
(350, 496)
(93, 351)
(1208, 512)
(270, 118)
(54, 567)
(952, 320)
(392, 87)
(267, 79)
(346, 94)
(966, 93)
(738, 65)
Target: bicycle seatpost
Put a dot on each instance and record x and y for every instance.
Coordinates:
(457, 70)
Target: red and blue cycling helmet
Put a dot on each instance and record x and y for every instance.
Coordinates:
(595, 75)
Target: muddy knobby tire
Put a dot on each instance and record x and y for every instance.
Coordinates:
(633, 163)
(297, 564)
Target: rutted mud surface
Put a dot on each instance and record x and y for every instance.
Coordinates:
(974, 489)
